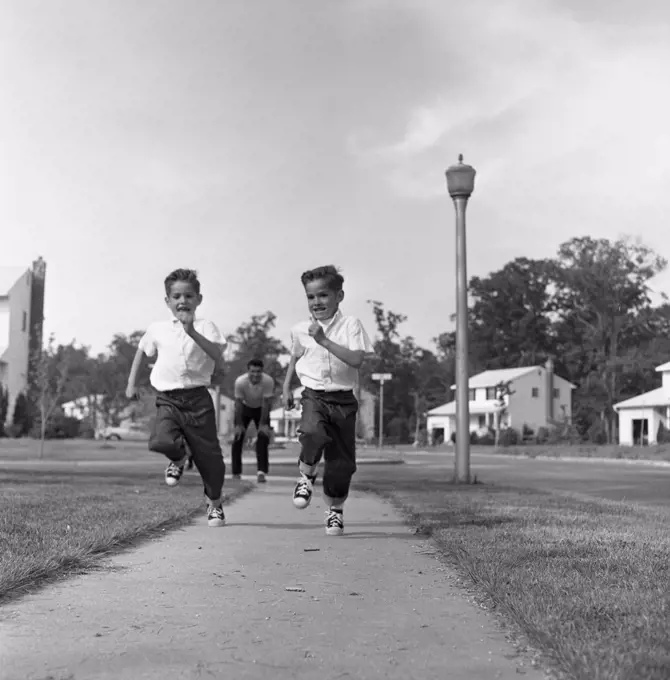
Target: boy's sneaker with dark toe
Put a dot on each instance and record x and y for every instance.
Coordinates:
(173, 474)
(302, 494)
(215, 516)
(334, 522)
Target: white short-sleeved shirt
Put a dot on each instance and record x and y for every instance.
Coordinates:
(253, 395)
(316, 367)
(181, 363)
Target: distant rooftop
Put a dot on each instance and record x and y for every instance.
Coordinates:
(496, 376)
(9, 276)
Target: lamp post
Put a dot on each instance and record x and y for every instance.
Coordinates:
(461, 184)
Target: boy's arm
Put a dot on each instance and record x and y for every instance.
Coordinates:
(213, 347)
(287, 395)
(359, 344)
(131, 390)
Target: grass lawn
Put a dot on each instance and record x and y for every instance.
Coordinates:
(587, 581)
(56, 523)
(660, 452)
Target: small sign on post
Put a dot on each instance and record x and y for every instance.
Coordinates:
(381, 378)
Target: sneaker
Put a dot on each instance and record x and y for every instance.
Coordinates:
(173, 474)
(302, 494)
(260, 477)
(215, 516)
(334, 522)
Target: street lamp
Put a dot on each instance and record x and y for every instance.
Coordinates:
(461, 184)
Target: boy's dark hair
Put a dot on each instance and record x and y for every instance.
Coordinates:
(329, 272)
(255, 362)
(185, 275)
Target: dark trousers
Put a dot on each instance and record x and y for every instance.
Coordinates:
(187, 417)
(328, 429)
(262, 441)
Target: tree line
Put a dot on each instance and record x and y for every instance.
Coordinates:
(589, 309)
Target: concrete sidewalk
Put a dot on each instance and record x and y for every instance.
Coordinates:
(269, 595)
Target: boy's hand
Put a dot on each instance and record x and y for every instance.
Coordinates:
(264, 429)
(239, 432)
(316, 331)
(187, 319)
(288, 401)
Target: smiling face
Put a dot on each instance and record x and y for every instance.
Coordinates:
(255, 374)
(182, 297)
(322, 301)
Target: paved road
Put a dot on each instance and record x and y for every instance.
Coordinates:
(612, 480)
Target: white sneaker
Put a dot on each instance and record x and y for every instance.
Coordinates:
(334, 522)
(215, 516)
(260, 477)
(302, 494)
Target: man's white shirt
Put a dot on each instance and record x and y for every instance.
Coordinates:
(319, 369)
(181, 363)
(252, 395)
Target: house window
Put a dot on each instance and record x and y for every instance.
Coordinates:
(557, 393)
(490, 392)
(535, 392)
(472, 395)
(24, 323)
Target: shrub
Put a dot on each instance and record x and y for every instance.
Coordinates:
(542, 435)
(597, 434)
(526, 432)
(488, 439)
(474, 438)
(59, 426)
(509, 437)
(663, 434)
(23, 415)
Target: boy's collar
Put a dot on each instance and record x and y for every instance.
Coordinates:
(176, 320)
(332, 319)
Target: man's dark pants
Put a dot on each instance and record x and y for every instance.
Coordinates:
(246, 416)
(328, 429)
(188, 416)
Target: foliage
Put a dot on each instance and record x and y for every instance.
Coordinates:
(4, 408)
(22, 418)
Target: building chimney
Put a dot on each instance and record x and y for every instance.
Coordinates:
(549, 389)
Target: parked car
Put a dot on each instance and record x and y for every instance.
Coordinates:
(127, 432)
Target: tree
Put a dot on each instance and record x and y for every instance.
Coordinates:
(254, 340)
(510, 316)
(602, 293)
(51, 374)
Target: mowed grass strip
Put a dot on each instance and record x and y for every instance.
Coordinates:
(587, 581)
(55, 523)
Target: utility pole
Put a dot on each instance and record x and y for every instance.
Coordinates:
(381, 378)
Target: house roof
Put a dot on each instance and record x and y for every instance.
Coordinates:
(500, 375)
(488, 406)
(657, 397)
(9, 276)
(496, 376)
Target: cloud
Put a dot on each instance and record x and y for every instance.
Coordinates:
(529, 89)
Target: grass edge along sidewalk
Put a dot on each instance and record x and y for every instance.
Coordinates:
(54, 525)
(586, 581)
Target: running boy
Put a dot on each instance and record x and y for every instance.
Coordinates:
(326, 354)
(189, 350)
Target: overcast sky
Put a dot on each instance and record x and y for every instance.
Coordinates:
(254, 139)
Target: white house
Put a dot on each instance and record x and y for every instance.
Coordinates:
(21, 316)
(539, 397)
(641, 416)
(285, 423)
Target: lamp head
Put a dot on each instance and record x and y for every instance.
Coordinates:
(460, 179)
